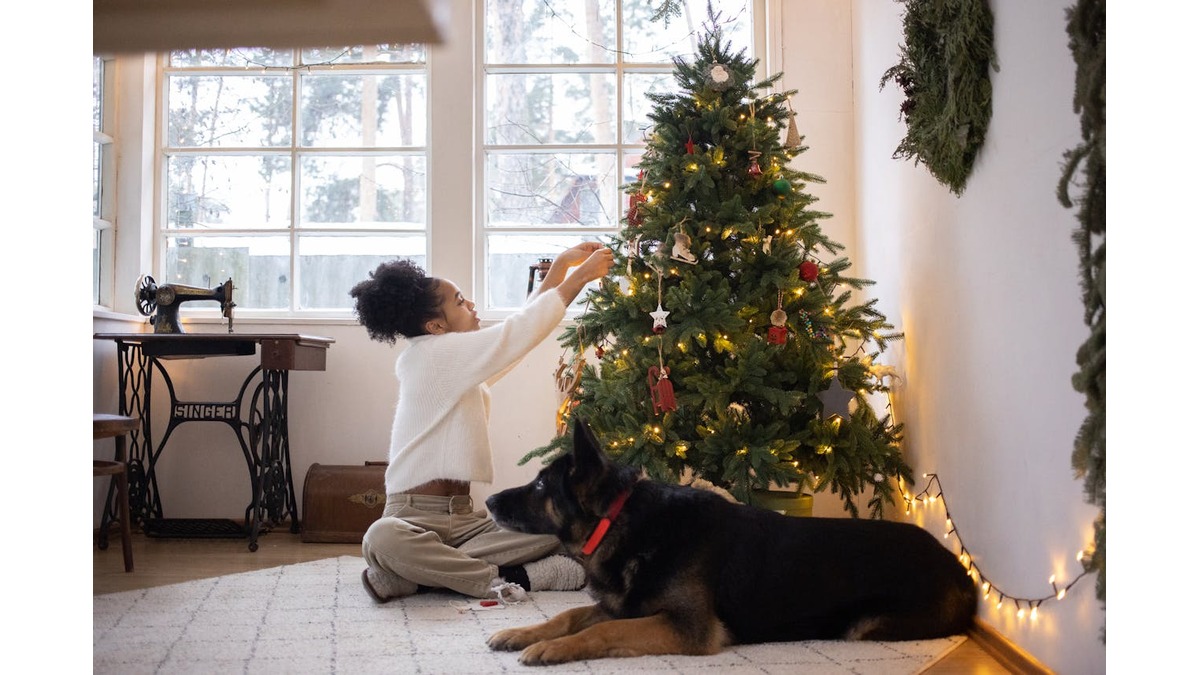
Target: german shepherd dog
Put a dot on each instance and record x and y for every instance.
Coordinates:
(680, 570)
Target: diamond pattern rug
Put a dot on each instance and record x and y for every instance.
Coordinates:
(314, 617)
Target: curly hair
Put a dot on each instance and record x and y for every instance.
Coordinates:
(396, 300)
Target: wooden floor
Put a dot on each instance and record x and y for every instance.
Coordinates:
(159, 562)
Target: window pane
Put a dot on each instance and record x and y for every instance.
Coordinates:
(236, 58)
(636, 118)
(228, 191)
(96, 258)
(97, 93)
(659, 41)
(259, 266)
(551, 108)
(395, 53)
(535, 190)
(537, 31)
(97, 178)
(363, 110)
(372, 191)
(510, 257)
(229, 111)
(331, 266)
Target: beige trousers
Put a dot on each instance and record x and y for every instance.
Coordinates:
(443, 542)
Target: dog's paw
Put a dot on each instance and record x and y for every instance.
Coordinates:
(548, 652)
(511, 639)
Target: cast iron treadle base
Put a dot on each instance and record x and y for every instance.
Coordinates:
(193, 528)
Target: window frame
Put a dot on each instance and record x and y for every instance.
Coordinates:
(455, 244)
(620, 67)
(104, 224)
(296, 151)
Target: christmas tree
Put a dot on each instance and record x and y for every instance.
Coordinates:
(726, 342)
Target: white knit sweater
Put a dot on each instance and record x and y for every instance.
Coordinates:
(441, 425)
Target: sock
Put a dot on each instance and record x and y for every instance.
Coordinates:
(516, 574)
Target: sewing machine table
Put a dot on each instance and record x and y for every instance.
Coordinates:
(261, 428)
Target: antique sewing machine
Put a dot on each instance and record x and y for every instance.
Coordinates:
(538, 270)
(161, 301)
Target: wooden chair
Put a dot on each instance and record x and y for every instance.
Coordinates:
(116, 426)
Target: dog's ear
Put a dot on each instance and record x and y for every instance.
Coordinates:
(588, 454)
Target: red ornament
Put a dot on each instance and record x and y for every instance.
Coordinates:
(809, 270)
(690, 145)
(599, 352)
(755, 170)
(777, 335)
(662, 392)
(635, 216)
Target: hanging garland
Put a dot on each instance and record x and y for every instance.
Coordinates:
(943, 72)
(1086, 31)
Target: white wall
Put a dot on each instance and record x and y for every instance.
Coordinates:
(985, 288)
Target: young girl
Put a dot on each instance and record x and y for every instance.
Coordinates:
(430, 535)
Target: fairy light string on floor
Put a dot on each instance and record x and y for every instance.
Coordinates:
(1024, 606)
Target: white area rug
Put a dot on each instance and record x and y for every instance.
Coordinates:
(315, 618)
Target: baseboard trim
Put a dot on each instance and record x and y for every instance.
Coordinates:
(1004, 651)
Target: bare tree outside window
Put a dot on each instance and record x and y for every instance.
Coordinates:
(565, 119)
(295, 172)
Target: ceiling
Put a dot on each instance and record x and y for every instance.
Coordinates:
(131, 26)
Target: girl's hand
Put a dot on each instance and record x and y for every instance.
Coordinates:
(578, 253)
(597, 264)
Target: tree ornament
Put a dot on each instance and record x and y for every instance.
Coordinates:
(635, 216)
(690, 146)
(660, 319)
(755, 170)
(737, 413)
(659, 316)
(835, 401)
(794, 139)
(718, 77)
(809, 271)
(777, 333)
(680, 251)
(662, 392)
(767, 244)
(781, 186)
(808, 326)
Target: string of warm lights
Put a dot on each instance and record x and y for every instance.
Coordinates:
(1024, 606)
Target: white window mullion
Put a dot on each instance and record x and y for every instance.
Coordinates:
(452, 157)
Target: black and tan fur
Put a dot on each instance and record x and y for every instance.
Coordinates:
(684, 571)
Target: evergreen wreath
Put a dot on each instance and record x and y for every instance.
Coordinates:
(943, 72)
(1086, 32)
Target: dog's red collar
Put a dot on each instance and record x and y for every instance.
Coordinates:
(602, 527)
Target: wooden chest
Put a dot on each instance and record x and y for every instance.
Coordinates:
(341, 502)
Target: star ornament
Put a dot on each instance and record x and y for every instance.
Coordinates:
(836, 399)
(660, 320)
